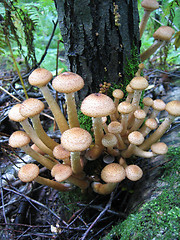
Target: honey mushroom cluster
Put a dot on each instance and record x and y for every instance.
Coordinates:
(132, 131)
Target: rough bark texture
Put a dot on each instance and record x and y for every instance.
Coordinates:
(98, 38)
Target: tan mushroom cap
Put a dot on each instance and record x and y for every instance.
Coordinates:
(125, 107)
(140, 114)
(76, 139)
(133, 172)
(98, 105)
(40, 77)
(109, 140)
(151, 123)
(139, 83)
(159, 105)
(15, 115)
(164, 33)
(118, 93)
(129, 89)
(159, 148)
(19, 139)
(60, 153)
(147, 101)
(113, 173)
(150, 4)
(28, 172)
(136, 138)
(173, 108)
(115, 127)
(31, 107)
(68, 82)
(61, 172)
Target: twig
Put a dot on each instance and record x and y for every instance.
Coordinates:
(46, 49)
(36, 202)
(4, 90)
(108, 205)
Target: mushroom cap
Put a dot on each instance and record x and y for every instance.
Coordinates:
(109, 140)
(115, 127)
(151, 123)
(125, 108)
(141, 66)
(159, 105)
(19, 139)
(150, 5)
(133, 172)
(140, 114)
(163, 33)
(113, 173)
(60, 153)
(147, 101)
(76, 139)
(40, 77)
(173, 108)
(98, 105)
(159, 148)
(15, 115)
(68, 82)
(118, 93)
(129, 89)
(31, 107)
(136, 138)
(61, 172)
(28, 172)
(139, 83)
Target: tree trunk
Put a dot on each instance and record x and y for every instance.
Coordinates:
(98, 38)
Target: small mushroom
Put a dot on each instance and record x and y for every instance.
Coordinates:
(116, 128)
(30, 172)
(40, 77)
(112, 174)
(150, 124)
(69, 83)
(133, 172)
(158, 105)
(110, 141)
(139, 115)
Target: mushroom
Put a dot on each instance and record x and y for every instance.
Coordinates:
(31, 108)
(138, 84)
(40, 78)
(135, 138)
(97, 105)
(130, 92)
(69, 83)
(15, 116)
(139, 115)
(116, 128)
(117, 94)
(62, 154)
(149, 6)
(112, 174)
(125, 108)
(109, 141)
(20, 139)
(63, 172)
(30, 172)
(173, 108)
(133, 172)
(162, 35)
(150, 124)
(76, 140)
(122, 162)
(141, 67)
(158, 105)
(148, 102)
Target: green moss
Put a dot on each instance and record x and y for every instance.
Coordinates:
(158, 218)
(85, 121)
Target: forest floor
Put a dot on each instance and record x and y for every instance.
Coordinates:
(30, 211)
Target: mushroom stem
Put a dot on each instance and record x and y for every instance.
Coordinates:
(71, 110)
(58, 115)
(49, 142)
(103, 189)
(53, 184)
(46, 162)
(146, 54)
(75, 163)
(143, 22)
(98, 130)
(81, 183)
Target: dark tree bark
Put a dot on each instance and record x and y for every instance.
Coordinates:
(98, 38)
